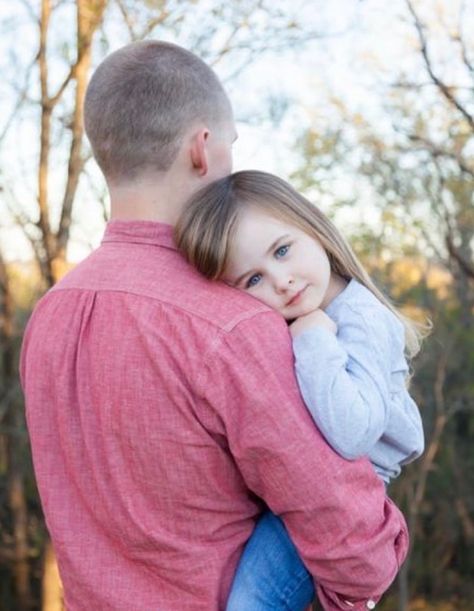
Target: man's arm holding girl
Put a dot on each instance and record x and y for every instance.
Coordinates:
(349, 535)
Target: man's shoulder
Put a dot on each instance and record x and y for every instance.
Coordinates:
(213, 302)
(170, 284)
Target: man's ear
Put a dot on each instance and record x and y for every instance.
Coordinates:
(199, 151)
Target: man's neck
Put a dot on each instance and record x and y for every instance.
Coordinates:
(148, 200)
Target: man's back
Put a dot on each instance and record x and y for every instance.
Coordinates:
(152, 420)
(128, 462)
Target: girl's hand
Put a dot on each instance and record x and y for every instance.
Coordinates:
(317, 318)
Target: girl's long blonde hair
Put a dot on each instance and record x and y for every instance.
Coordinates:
(205, 229)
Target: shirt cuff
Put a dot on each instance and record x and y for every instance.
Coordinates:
(331, 601)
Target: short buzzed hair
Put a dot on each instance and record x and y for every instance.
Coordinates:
(141, 100)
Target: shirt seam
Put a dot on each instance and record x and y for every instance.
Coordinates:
(215, 347)
(227, 328)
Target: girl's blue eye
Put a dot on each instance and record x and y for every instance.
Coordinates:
(253, 280)
(281, 252)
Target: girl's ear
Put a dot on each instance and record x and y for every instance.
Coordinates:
(199, 152)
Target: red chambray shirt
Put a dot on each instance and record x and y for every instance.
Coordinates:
(161, 408)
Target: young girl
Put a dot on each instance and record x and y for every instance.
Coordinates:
(255, 232)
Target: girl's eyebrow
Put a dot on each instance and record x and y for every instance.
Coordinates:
(269, 250)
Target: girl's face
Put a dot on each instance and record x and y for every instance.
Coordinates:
(279, 264)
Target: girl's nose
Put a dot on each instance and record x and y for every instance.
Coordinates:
(283, 283)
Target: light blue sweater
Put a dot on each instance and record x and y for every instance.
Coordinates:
(354, 384)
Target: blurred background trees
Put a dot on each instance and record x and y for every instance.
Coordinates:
(392, 160)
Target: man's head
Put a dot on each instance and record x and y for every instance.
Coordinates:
(142, 102)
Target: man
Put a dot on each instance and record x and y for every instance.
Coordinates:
(163, 408)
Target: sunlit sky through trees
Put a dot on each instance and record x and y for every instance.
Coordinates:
(345, 73)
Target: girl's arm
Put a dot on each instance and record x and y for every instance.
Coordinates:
(345, 380)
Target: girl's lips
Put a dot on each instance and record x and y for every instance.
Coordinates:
(296, 297)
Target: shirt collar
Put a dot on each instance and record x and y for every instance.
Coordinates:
(139, 232)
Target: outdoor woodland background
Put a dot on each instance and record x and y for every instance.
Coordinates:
(408, 166)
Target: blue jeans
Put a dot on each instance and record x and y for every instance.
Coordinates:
(270, 575)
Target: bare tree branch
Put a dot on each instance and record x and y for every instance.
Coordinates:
(414, 86)
(154, 23)
(443, 88)
(466, 266)
(444, 215)
(436, 152)
(52, 101)
(24, 223)
(23, 96)
(461, 40)
(31, 11)
(46, 112)
(89, 16)
(126, 17)
(151, 24)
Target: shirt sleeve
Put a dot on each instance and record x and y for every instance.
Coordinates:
(351, 537)
(346, 380)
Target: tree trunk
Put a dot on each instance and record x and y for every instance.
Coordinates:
(402, 579)
(417, 494)
(89, 17)
(19, 512)
(403, 594)
(15, 430)
(52, 599)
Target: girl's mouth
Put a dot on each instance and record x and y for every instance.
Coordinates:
(296, 298)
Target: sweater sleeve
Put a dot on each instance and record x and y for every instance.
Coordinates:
(345, 380)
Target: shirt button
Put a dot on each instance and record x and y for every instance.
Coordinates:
(370, 604)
